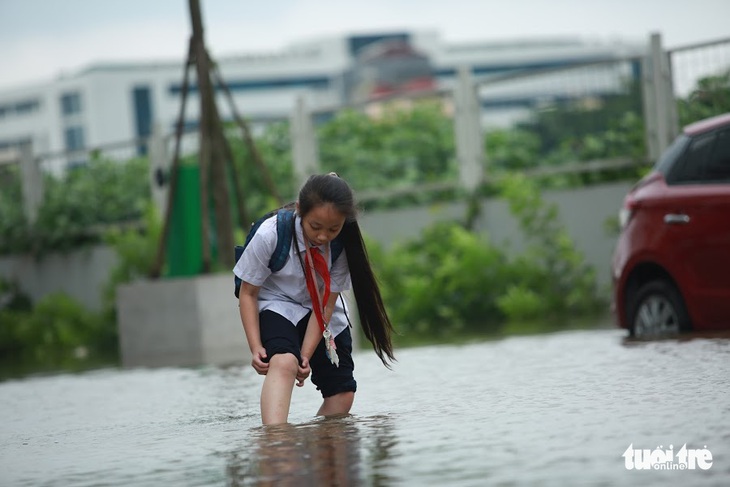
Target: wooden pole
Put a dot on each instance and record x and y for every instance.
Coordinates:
(156, 270)
(212, 155)
(204, 142)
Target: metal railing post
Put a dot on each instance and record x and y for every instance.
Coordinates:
(32, 183)
(305, 153)
(468, 131)
(672, 111)
(659, 106)
(159, 168)
(649, 101)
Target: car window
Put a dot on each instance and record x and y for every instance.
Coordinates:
(690, 166)
(671, 155)
(717, 167)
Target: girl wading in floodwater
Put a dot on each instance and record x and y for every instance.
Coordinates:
(294, 322)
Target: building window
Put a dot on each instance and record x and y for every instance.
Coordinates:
(71, 103)
(22, 107)
(717, 168)
(142, 115)
(74, 137)
(26, 106)
(14, 144)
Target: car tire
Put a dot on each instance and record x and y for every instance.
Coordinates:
(657, 310)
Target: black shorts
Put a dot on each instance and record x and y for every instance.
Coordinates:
(278, 335)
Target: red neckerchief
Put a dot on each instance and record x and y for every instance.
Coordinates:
(316, 262)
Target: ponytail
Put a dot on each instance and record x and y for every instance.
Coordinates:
(373, 318)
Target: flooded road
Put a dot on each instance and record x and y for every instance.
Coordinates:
(569, 408)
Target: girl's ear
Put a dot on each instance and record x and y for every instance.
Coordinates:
(297, 207)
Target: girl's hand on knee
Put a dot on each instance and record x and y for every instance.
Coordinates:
(303, 372)
(258, 361)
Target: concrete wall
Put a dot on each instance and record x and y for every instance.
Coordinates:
(187, 321)
(82, 273)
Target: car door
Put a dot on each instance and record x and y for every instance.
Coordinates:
(698, 211)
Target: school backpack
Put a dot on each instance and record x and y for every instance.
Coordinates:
(284, 234)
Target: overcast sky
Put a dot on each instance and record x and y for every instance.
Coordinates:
(41, 39)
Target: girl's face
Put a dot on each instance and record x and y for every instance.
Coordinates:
(322, 224)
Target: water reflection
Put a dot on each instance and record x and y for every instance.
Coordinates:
(334, 451)
(718, 336)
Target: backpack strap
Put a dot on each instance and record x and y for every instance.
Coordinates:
(284, 234)
(336, 247)
(237, 252)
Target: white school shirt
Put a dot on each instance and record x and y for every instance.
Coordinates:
(285, 291)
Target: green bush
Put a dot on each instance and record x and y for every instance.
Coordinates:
(521, 304)
(57, 324)
(13, 225)
(562, 277)
(14, 305)
(445, 282)
(77, 206)
(710, 97)
(58, 332)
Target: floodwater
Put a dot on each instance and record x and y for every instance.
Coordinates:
(549, 410)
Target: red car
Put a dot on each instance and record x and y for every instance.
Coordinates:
(671, 264)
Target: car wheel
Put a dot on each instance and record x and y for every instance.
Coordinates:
(658, 310)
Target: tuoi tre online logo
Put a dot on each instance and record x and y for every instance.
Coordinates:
(660, 459)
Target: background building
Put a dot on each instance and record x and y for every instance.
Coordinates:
(107, 103)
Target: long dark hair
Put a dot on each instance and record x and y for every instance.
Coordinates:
(331, 189)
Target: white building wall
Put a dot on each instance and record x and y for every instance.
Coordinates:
(110, 93)
(50, 135)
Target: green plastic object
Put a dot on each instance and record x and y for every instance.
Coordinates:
(184, 242)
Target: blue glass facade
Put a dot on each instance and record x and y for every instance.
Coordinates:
(142, 102)
(311, 82)
(71, 103)
(74, 138)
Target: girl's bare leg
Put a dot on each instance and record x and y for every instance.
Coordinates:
(277, 389)
(337, 404)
